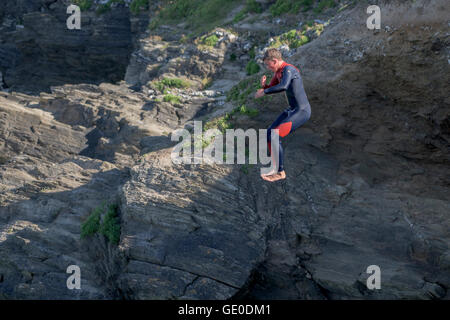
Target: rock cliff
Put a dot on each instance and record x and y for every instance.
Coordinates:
(84, 123)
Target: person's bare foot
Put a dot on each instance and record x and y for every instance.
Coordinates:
(269, 173)
(275, 177)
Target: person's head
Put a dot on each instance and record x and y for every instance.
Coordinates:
(273, 59)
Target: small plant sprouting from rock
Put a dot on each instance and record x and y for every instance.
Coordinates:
(247, 111)
(211, 41)
(206, 82)
(200, 16)
(293, 6)
(138, 5)
(102, 8)
(166, 83)
(184, 39)
(251, 6)
(243, 92)
(238, 17)
(246, 167)
(92, 224)
(252, 53)
(83, 4)
(252, 67)
(171, 98)
(284, 6)
(223, 123)
(109, 226)
(175, 83)
(154, 23)
(323, 4)
(294, 38)
(170, 83)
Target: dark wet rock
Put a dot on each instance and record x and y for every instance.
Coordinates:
(367, 175)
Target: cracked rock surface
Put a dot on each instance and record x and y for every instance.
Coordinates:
(367, 176)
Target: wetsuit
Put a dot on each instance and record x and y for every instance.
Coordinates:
(288, 79)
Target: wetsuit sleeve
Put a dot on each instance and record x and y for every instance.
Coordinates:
(284, 83)
(272, 83)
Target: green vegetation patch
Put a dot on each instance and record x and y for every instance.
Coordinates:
(343, 7)
(199, 15)
(154, 23)
(245, 167)
(109, 226)
(174, 83)
(202, 142)
(252, 53)
(83, 4)
(324, 4)
(244, 110)
(139, 5)
(135, 7)
(222, 123)
(251, 6)
(171, 98)
(165, 83)
(293, 38)
(92, 224)
(293, 6)
(206, 82)
(286, 6)
(252, 67)
(316, 27)
(102, 8)
(239, 16)
(241, 92)
(210, 41)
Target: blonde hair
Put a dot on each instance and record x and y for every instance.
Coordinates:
(272, 53)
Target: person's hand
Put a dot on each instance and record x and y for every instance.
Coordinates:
(259, 93)
(263, 80)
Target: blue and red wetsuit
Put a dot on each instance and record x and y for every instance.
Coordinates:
(287, 78)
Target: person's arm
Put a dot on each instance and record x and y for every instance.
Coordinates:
(283, 85)
(272, 83)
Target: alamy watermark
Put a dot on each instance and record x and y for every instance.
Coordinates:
(73, 281)
(374, 21)
(74, 20)
(208, 147)
(374, 281)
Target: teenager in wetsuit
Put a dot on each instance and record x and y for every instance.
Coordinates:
(286, 78)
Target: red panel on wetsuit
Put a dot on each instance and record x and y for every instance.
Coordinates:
(284, 129)
(278, 75)
(288, 64)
